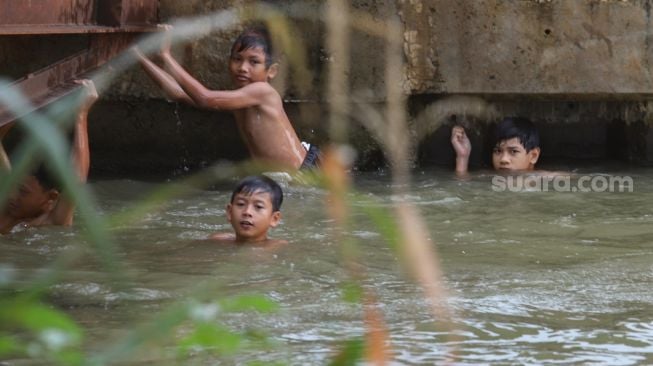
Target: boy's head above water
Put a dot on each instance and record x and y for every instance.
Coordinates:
(251, 58)
(255, 208)
(517, 145)
(35, 195)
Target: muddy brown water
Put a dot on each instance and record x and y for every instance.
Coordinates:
(534, 277)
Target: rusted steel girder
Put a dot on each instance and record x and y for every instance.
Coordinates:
(57, 80)
(76, 16)
(113, 25)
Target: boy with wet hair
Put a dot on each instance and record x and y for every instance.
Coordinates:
(516, 146)
(37, 200)
(256, 105)
(254, 208)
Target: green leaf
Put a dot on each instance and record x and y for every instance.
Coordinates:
(212, 337)
(38, 317)
(9, 346)
(265, 363)
(69, 357)
(352, 292)
(349, 355)
(249, 302)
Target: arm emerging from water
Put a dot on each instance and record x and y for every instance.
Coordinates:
(5, 164)
(62, 213)
(463, 148)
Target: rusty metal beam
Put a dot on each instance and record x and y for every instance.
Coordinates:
(13, 12)
(76, 16)
(57, 80)
(113, 25)
(70, 29)
(120, 13)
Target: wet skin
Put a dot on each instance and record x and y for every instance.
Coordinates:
(33, 205)
(510, 155)
(30, 200)
(252, 215)
(256, 105)
(248, 66)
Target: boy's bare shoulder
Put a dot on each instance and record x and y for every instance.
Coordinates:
(274, 243)
(270, 245)
(227, 238)
(262, 89)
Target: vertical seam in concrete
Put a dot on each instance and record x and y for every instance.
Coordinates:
(647, 38)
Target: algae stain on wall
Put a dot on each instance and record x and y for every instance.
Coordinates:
(422, 62)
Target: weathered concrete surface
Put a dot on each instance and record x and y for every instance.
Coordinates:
(587, 47)
(580, 69)
(529, 46)
(172, 138)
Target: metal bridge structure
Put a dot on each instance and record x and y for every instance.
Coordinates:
(111, 26)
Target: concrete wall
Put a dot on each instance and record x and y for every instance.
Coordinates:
(580, 69)
(587, 47)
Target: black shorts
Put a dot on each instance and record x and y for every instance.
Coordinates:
(312, 159)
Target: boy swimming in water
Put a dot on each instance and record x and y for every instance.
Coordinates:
(516, 147)
(37, 201)
(256, 105)
(254, 208)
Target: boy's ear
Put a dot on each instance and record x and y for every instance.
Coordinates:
(227, 210)
(533, 155)
(52, 197)
(53, 194)
(273, 70)
(276, 218)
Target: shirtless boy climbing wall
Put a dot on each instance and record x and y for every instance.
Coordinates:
(256, 105)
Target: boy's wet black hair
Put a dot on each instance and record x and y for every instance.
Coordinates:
(45, 178)
(260, 183)
(255, 36)
(522, 128)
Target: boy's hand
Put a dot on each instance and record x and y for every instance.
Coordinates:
(166, 39)
(460, 142)
(91, 94)
(135, 51)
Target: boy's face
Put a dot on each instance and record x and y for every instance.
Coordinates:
(31, 200)
(512, 156)
(248, 66)
(251, 215)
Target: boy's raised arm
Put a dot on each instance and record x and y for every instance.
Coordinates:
(463, 148)
(62, 214)
(5, 164)
(170, 87)
(248, 96)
